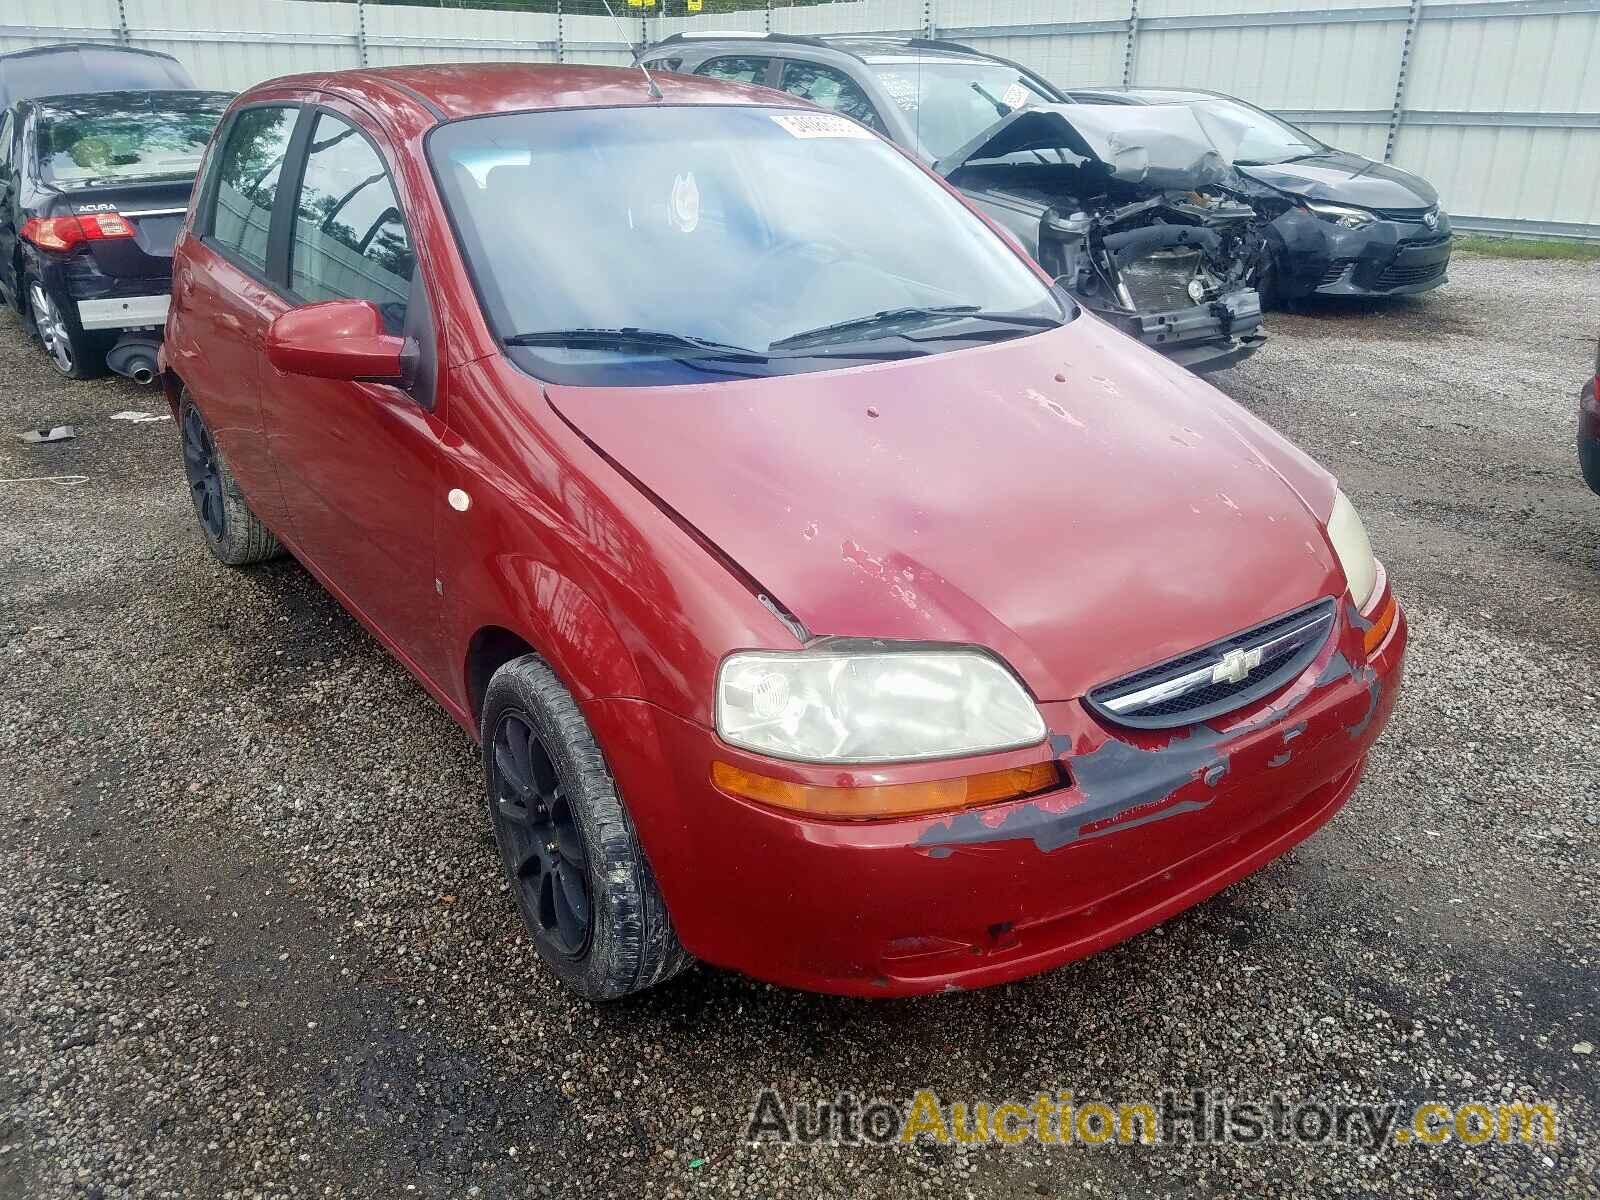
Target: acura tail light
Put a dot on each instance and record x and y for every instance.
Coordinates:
(64, 233)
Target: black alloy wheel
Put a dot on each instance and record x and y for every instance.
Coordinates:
(205, 478)
(543, 844)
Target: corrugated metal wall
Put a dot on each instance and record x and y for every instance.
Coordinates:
(1495, 101)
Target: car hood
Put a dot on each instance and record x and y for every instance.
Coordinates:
(1161, 146)
(1344, 178)
(1070, 500)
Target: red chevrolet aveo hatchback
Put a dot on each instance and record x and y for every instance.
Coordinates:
(832, 599)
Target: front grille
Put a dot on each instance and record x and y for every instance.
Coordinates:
(1335, 272)
(1402, 214)
(1218, 678)
(1398, 276)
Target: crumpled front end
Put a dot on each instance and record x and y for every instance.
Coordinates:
(1134, 211)
(1171, 273)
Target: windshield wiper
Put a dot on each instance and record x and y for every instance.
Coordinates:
(610, 339)
(890, 321)
(682, 346)
(1000, 106)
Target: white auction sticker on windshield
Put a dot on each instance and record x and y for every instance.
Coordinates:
(684, 208)
(1016, 96)
(820, 125)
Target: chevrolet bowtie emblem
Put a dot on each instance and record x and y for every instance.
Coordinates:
(1236, 666)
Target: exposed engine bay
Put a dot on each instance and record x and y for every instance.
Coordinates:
(1131, 209)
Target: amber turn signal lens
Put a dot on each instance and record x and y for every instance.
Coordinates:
(885, 800)
(1381, 624)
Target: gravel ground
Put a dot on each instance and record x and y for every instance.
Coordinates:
(253, 942)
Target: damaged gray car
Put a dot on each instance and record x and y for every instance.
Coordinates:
(1129, 208)
(1132, 208)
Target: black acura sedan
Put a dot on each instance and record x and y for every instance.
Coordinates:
(93, 189)
(1335, 223)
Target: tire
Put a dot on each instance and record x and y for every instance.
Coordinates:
(1266, 278)
(569, 851)
(71, 351)
(234, 534)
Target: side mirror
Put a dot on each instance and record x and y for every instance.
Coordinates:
(340, 339)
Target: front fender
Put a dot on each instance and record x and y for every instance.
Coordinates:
(543, 607)
(544, 538)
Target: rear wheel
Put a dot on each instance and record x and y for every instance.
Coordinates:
(570, 853)
(232, 532)
(72, 351)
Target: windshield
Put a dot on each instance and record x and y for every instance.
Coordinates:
(1249, 137)
(950, 103)
(710, 236)
(142, 138)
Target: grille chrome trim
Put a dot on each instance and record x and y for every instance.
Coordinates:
(1220, 677)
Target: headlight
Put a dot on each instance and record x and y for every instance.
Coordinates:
(1343, 214)
(873, 705)
(1349, 538)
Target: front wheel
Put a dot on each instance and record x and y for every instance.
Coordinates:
(72, 351)
(570, 852)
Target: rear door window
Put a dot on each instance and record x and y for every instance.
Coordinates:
(247, 181)
(738, 69)
(349, 240)
(828, 88)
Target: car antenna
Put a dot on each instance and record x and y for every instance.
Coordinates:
(655, 92)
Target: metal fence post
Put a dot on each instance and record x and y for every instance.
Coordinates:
(930, 19)
(1133, 41)
(123, 35)
(1398, 108)
(561, 35)
(769, 16)
(361, 31)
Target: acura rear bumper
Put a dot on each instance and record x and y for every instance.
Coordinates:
(124, 312)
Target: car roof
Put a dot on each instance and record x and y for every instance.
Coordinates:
(453, 91)
(76, 66)
(1152, 95)
(863, 46)
(75, 47)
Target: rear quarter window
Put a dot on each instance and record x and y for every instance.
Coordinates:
(740, 68)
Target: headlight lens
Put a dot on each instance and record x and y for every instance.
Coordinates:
(1343, 214)
(1349, 538)
(873, 705)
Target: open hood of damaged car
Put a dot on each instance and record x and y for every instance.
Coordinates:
(1079, 506)
(1159, 145)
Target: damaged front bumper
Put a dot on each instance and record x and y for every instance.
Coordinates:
(1385, 258)
(1205, 337)
(989, 895)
